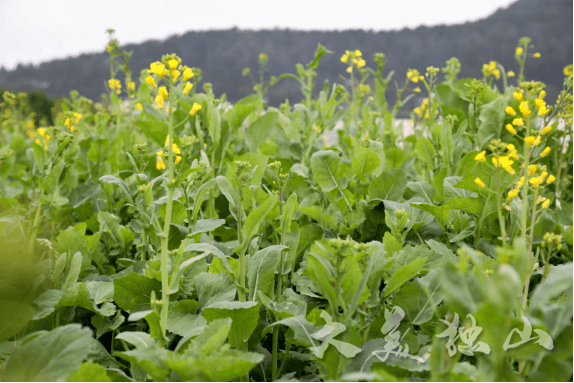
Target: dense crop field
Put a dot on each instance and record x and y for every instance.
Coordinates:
(164, 234)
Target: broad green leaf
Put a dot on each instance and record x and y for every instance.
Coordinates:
(491, 121)
(106, 324)
(325, 220)
(83, 193)
(120, 183)
(73, 272)
(254, 219)
(14, 317)
(256, 160)
(243, 314)
(150, 359)
(241, 109)
(426, 152)
(213, 288)
(403, 275)
(155, 129)
(152, 319)
(262, 267)
(90, 372)
(138, 339)
(78, 295)
(54, 356)
(200, 195)
(472, 205)
(364, 162)
(319, 52)
(182, 316)
(288, 211)
(133, 292)
(389, 185)
(98, 150)
(258, 131)
(300, 330)
(419, 299)
(328, 170)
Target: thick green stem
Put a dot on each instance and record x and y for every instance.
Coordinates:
(165, 238)
(241, 291)
(278, 294)
(499, 207)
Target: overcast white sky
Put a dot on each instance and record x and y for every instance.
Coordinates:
(40, 30)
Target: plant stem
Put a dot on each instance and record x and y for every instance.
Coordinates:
(241, 292)
(498, 207)
(278, 292)
(165, 238)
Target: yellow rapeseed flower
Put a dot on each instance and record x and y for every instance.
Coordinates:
(358, 53)
(417, 90)
(511, 194)
(162, 91)
(172, 64)
(151, 82)
(159, 101)
(481, 156)
(521, 181)
(529, 140)
(518, 122)
(174, 75)
(543, 176)
(510, 110)
(344, 59)
(157, 68)
(537, 54)
(524, 109)
(545, 152)
(188, 87)
(546, 130)
(518, 51)
(550, 179)
(479, 182)
(138, 106)
(532, 169)
(418, 111)
(542, 94)
(361, 63)
(535, 182)
(510, 74)
(545, 204)
(131, 85)
(496, 73)
(116, 85)
(159, 165)
(177, 159)
(349, 69)
(539, 103)
(537, 141)
(517, 96)
(194, 109)
(568, 70)
(511, 129)
(187, 74)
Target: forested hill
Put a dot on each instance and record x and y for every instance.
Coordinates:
(222, 54)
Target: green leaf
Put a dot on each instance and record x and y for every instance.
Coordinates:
(491, 120)
(257, 132)
(328, 170)
(419, 299)
(106, 324)
(90, 372)
(133, 292)
(327, 221)
(83, 193)
(262, 267)
(288, 211)
(182, 317)
(241, 109)
(200, 195)
(425, 150)
(155, 129)
(120, 183)
(364, 162)
(150, 359)
(54, 356)
(15, 316)
(300, 330)
(213, 288)
(319, 52)
(243, 314)
(152, 319)
(138, 339)
(389, 185)
(403, 275)
(254, 219)
(73, 272)
(98, 150)
(78, 295)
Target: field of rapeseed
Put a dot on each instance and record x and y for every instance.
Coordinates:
(164, 234)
